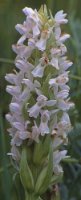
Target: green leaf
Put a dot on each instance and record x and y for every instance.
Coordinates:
(70, 160)
(45, 86)
(45, 175)
(56, 179)
(41, 150)
(25, 172)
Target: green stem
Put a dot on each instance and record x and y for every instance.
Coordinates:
(6, 60)
(75, 77)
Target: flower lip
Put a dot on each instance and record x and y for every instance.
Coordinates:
(60, 17)
(28, 11)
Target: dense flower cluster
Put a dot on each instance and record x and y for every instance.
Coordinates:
(39, 84)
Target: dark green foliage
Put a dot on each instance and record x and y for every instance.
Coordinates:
(70, 188)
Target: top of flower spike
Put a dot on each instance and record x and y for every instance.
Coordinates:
(59, 16)
(40, 24)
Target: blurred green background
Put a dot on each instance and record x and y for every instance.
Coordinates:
(10, 15)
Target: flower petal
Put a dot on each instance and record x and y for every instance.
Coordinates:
(38, 71)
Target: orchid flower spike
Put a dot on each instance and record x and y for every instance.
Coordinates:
(39, 89)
